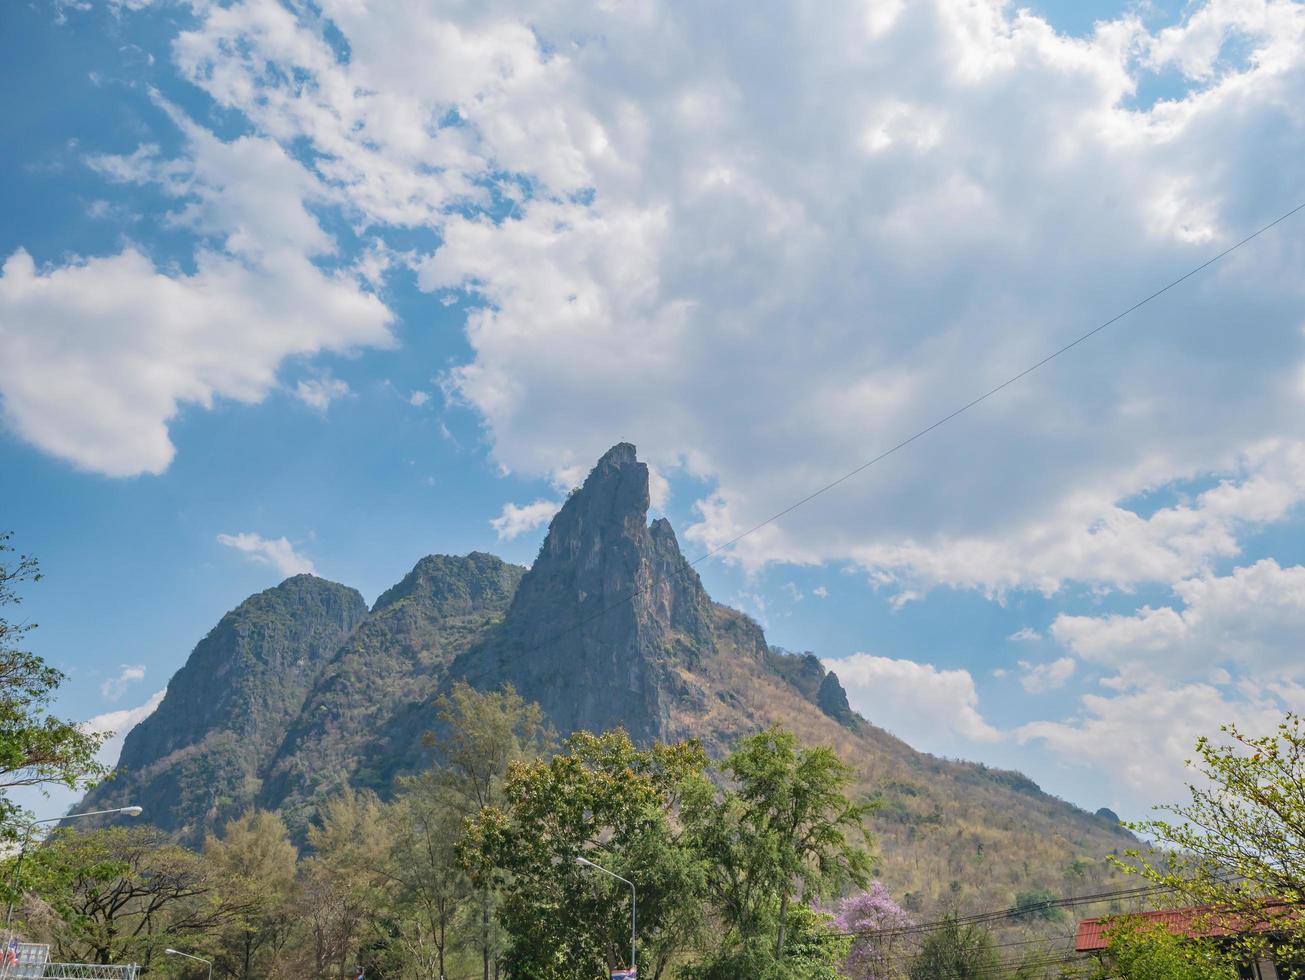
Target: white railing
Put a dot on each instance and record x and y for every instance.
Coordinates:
(34, 964)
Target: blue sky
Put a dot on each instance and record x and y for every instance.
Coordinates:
(286, 286)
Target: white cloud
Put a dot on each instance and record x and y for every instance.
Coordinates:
(1142, 739)
(114, 687)
(820, 592)
(517, 520)
(652, 283)
(318, 393)
(1040, 678)
(1251, 619)
(119, 723)
(917, 702)
(277, 552)
(99, 354)
(674, 268)
(419, 398)
(1025, 634)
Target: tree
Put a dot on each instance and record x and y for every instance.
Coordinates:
(955, 952)
(607, 801)
(1238, 846)
(431, 885)
(255, 864)
(1141, 950)
(875, 917)
(344, 887)
(479, 737)
(788, 829)
(123, 894)
(36, 748)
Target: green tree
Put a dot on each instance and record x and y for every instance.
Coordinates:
(345, 888)
(1238, 845)
(36, 749)
(955, 952)
(611, 803)
(123, 894)
(786, 829)
(479, 737)
(431, 884)
(255, 864)
(1141, 950)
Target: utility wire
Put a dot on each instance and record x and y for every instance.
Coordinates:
(633, 593)
(1015, 912)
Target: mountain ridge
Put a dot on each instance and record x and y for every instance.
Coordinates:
(610, 627)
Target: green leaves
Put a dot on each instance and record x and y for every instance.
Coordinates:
(35, 748)
(612, 803)
(1238, 846)
(1141, 950)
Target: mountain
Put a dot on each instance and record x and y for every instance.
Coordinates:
(360, 723)
(199, 759)
(610, 627)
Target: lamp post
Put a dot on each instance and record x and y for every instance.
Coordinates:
(130, 811)
(633, 900)
(190, 956)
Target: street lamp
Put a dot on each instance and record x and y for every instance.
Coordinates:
(189, 956)
(590, 864)
(130, 811)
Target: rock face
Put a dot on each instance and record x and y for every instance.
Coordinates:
(301, 691)
(199, 759)
(362, 720)
(605, 617)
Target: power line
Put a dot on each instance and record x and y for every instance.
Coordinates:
(972, 403)
(1015, 912)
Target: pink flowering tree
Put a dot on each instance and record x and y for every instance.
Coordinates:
(873, 915)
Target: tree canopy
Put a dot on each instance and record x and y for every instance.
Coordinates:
(36, 748)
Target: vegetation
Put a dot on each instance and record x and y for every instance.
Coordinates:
(874, 920)
(1238, 845)
(472, 866)
(36, 748)
(1140, 950)
(955, 952)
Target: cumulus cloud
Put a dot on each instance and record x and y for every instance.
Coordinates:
(1251, 619)
(318, 393)
(118, 723)
(418, 398)
(1143, 738)
(99, 354)
(277, 552)
(662, 262)
(1040, 678)
(917, 702)
(675, 268)
(114, 687)
(515, 520)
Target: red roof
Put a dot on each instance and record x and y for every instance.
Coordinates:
(1199, 921)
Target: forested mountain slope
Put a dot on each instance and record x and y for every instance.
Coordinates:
(610, 627)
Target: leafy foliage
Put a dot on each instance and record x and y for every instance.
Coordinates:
(255, 864)
(36, 748)
(122, 895)
(955, 951)
(607, 801)
(1141, 950)
(1238, 846)
(787, 827)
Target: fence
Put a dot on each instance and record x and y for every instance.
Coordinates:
(33, 963)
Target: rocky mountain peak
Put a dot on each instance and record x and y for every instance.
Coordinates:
(610, 507)
(606, 605)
